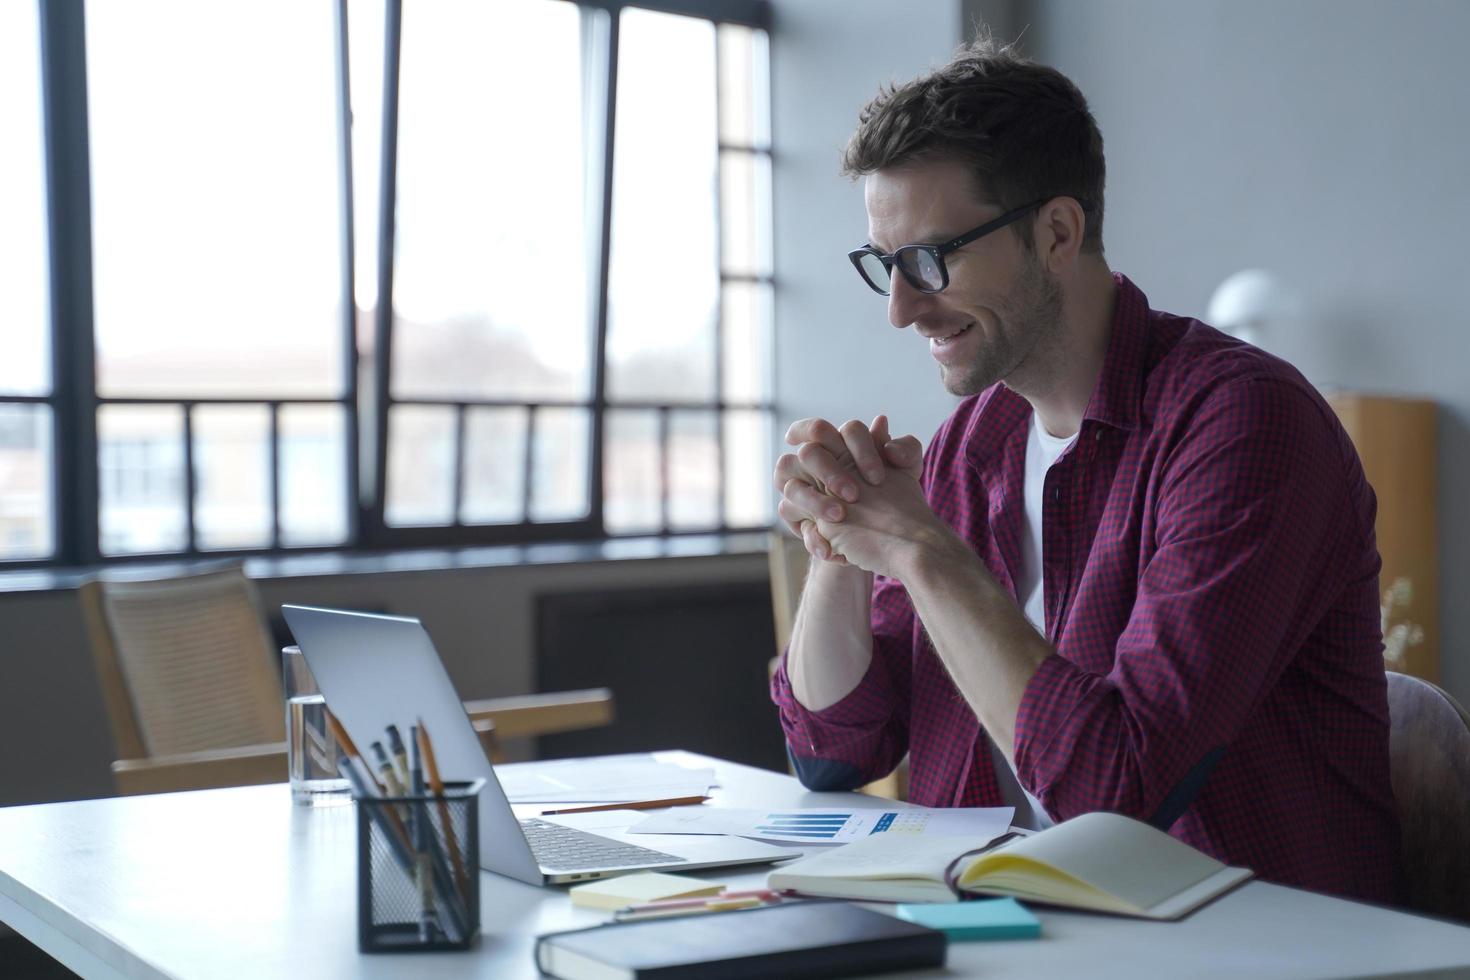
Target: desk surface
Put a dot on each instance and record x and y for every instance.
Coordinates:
(241, 883)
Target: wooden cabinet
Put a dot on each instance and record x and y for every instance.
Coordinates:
(1397, 443)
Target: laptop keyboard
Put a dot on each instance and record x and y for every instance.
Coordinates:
(559, 848)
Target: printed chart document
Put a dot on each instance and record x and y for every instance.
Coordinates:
(609, 779)
(822, 826)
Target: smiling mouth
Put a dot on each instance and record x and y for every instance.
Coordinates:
(947, 338)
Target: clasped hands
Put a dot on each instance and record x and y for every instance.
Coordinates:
(853, 495)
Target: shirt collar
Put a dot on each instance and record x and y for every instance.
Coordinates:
(1115, 399)
(1119, 392)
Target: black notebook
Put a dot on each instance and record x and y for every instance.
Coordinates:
(797, 940)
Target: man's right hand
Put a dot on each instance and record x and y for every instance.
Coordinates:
(829, 467)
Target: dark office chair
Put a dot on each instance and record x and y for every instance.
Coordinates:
(1429, 763)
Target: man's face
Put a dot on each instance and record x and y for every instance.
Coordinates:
(1000, 306)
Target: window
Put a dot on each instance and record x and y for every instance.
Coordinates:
(496, 415)
(493, 330)
(552, 319)
(26, 403)
(217, 276)
(688, 347)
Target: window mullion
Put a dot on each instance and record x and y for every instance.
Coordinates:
(275, 473)
(191, 540)
(600, 48)
(528, 463)
(665, 469)
(721, 490)
(69, 220)
(383, 325)
(351, 456)
(459, 461)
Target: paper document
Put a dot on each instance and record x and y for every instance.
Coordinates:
(823, 826)
(609, 779)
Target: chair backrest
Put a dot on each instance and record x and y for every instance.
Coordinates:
(1429, 752)
(789, 562)
(185, 663)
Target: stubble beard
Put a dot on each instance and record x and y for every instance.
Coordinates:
(1031, 321)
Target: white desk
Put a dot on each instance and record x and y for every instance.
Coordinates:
(240, 883)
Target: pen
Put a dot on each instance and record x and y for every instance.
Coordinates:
(418, 827)
(405, 843)
(713, 905)
(350, 747)
(426, 752)
(759, 894)
(355, 768)
(385, 769)
(634, 805)
(398, 841)
(400, 754)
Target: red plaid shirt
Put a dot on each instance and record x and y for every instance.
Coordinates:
(1211, 581)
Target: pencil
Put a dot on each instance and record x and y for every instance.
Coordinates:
(631, 805)
(371, 785)
(363, 782)
(419, 827)
(350, 747)
(426, 749)
(409, 855)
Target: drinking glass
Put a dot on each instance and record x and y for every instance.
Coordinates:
(311, 751)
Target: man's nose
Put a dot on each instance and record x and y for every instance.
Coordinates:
(905, 303)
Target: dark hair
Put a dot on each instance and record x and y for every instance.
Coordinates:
(1024, 128)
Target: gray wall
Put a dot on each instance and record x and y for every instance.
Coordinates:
(836, 355)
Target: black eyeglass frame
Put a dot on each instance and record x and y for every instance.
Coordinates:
(937, 252)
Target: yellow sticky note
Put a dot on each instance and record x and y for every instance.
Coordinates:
(620, 892)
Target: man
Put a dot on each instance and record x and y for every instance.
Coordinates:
(1134, 571)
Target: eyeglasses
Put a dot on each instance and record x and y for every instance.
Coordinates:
(923, 265)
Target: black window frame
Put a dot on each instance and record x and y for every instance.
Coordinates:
(75, 400)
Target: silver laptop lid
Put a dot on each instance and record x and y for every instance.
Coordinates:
(379, 670)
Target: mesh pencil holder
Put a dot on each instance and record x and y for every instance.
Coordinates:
(418, 870)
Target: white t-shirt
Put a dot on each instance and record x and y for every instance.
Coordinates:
(1042, 450)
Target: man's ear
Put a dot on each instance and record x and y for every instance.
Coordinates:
(1060, 225)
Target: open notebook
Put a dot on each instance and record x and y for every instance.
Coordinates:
(1103, 862)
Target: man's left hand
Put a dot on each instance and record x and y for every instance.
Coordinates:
(891, 525)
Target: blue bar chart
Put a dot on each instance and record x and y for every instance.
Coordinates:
(811, 826)
(821, 827)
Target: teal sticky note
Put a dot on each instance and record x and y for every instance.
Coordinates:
(990, 918)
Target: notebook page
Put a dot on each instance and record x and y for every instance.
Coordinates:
(1123, 857)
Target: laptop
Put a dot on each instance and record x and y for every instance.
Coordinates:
(379, 670)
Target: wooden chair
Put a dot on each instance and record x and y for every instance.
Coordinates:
(1429, 763)
(193, 695)
(789, 561)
